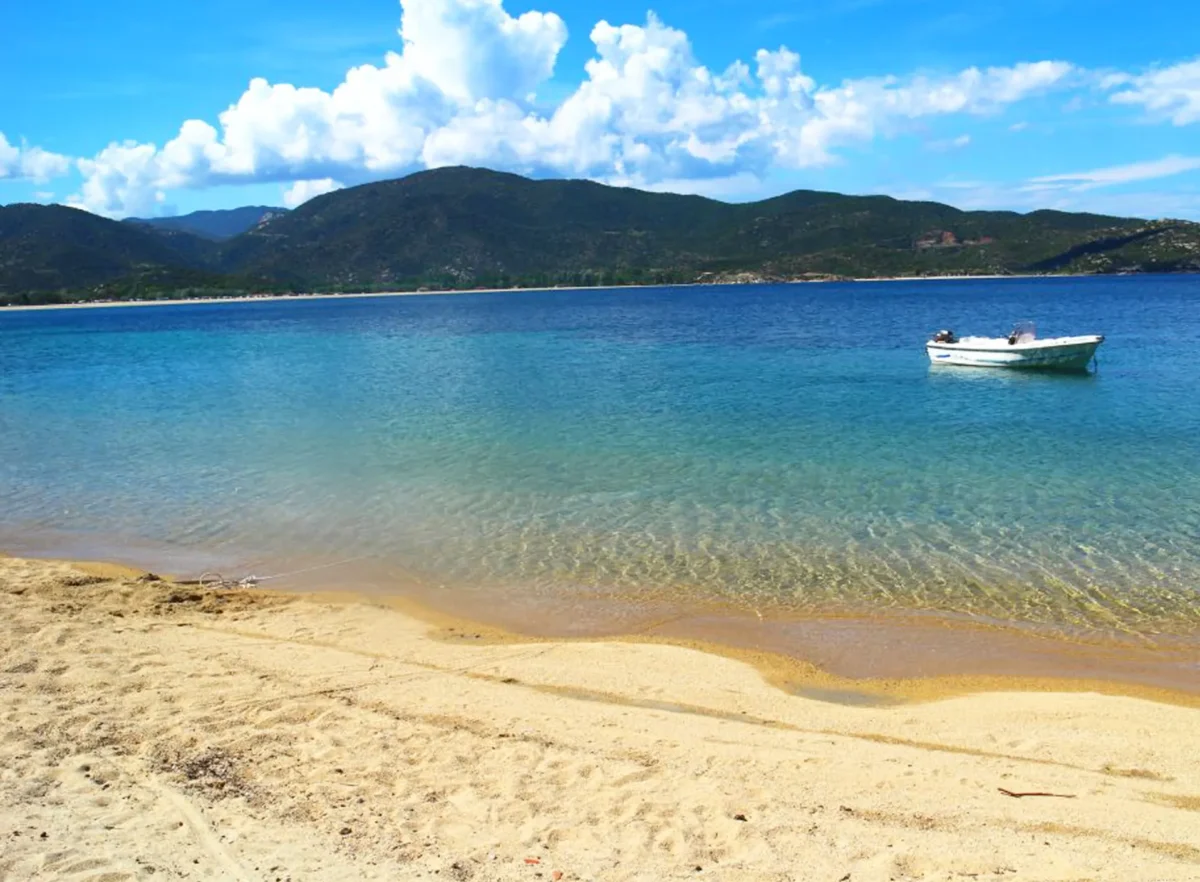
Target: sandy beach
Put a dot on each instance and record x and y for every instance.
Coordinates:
(158, 730)
(184, 301)
(354, 295)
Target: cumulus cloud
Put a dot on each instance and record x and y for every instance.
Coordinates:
(301, 191)
(122, 179)
(1117, 174)
(1171, 93)
(472, 49)
(647, 113)
(31, 163)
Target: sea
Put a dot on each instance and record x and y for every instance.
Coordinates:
(577, 458)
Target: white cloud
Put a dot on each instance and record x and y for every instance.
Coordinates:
(123, 179)
(950, 144)
(1167, 93)
(859, 110)
(301, 191)
(993, 196)
(1118, 174)
(472, 49)
(742, 185)
(31, 163)
(1018, 126)
(1075, 105)
(647, 112)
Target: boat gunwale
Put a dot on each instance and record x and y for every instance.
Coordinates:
(1047, 345)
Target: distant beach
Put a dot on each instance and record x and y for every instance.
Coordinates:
(421, 293)
(358, 295)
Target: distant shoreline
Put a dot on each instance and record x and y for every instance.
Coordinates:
(359, 295)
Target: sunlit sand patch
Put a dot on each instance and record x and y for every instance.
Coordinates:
(151, 724)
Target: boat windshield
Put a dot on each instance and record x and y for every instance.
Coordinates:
(1023, 332)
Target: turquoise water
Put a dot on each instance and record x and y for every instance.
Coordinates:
(782, 448)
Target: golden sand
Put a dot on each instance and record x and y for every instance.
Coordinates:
(158, 730)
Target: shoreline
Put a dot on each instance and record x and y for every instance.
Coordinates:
(862, 658)
(356, 295)
(160, 728)
(191, 301)
(888, 655)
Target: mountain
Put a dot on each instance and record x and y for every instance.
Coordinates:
(463, 228)
(50, 253)
(460, 226)
(221, 224)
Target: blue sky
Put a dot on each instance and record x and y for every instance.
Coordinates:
(1075, 104)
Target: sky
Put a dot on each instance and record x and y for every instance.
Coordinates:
(142, 108)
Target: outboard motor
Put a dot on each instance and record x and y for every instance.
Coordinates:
(1023, 332)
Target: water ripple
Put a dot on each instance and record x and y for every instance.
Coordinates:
(777, 448)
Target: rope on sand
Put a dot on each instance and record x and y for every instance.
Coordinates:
(217, 581)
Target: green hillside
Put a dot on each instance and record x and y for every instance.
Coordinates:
(219, 224)
(463, 228)
(51, 253)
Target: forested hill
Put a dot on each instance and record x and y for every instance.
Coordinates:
(465, 228)
(219, 224)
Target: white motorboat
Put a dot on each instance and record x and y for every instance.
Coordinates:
(1020, 349)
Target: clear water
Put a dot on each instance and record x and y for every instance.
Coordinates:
(785, 448)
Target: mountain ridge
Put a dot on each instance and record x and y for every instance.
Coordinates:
(460, 227)
(216, 224)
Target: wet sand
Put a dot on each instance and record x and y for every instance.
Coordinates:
(890, 651)
(158, 730)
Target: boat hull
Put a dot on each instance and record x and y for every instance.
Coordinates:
(1072, 354)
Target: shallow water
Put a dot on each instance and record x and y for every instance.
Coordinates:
(784, 449)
